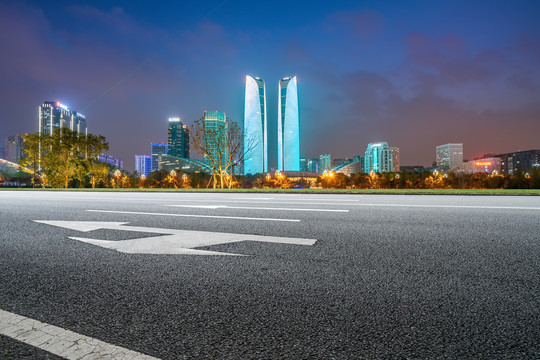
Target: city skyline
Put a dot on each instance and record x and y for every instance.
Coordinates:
(395, 72)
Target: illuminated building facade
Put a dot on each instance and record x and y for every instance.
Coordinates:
(378, 158)
(215, 140)
(143, 164)
(54, 115)
(255, 127)
(449, 155)
(156, 151)
(288, 150)
(178, 139)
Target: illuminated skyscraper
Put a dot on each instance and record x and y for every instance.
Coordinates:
(215, 127)
(178, 138)
(255, 127)
(53, 115)
(378, 158)
(288, 126)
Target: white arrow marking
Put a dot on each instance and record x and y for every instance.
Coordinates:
(254, 208)
(173, 242)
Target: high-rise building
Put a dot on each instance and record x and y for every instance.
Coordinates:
(2, 152)
(143, 164)
(54, 115)
(288, 126)
(157, 150)
(178, 140)
(395, 158)
(378, 158)
(325, 162)
(13, 148)
(312, 165)
(449, 155)
(255, 127)
(215, 141)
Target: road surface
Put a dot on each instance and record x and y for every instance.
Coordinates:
(268, 276)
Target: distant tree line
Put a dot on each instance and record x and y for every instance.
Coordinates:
(70, 159)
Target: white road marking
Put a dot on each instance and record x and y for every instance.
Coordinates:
(213, 207)
(192, 215)
(61, 342)
(330, 202)
(173, 241)
(453, 206)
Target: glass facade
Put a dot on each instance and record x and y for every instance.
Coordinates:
(178, 139)
(255, 127)
(378, 158)
(288, 126)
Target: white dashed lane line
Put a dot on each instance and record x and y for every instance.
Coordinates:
(192, 215)
(61, 342)
(254, 208)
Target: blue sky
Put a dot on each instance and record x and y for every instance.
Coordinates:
(414, 73)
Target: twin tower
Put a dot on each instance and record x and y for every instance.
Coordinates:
(255, 126)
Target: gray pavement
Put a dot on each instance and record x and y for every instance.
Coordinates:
(389, 277)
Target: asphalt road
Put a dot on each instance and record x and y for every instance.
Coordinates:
(389, 277)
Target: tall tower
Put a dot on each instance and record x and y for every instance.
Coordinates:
(255, 127)
(215, 128)
(178, 139)
(288, 126)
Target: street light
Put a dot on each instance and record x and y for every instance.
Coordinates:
(173, 173)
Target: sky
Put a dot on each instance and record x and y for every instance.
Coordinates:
(416, 74)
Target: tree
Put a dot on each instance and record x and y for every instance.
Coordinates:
(60, 156)
(222, 148)
(99, 174)
(31, 155)
(93, 145)
(63, 156)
